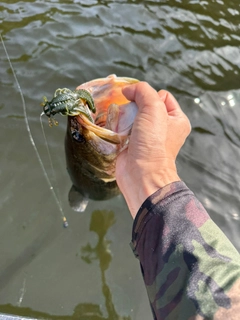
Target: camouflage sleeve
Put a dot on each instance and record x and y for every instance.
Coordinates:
(190, 269)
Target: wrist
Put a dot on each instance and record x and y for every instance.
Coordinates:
(158, 182)
(139, 190)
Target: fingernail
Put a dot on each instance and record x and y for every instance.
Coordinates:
(162, 95)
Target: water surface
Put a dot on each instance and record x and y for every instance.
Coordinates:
(188, 47)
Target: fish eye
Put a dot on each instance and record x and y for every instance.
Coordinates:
(77, 136)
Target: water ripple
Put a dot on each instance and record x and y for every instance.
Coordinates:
(190, 47)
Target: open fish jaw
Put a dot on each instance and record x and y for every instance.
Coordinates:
(114, 113)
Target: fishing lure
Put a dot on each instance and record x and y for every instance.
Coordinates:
(69, 103)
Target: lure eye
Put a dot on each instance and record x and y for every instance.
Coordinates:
(46, 110)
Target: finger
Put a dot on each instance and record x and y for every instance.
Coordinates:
(151, 117)
(171, 103)
(144, 96)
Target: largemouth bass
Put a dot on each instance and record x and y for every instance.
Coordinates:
(99, 123)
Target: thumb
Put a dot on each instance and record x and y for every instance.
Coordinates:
(172, 106)
(144, 95)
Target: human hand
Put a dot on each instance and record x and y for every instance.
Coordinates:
(159, 131)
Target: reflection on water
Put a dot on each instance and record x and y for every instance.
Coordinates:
(101, 221)
(189, 47)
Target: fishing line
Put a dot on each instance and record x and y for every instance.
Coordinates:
(65, 223)
(46, 145)
(49, 157)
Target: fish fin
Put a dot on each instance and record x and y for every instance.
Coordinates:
(77, 201)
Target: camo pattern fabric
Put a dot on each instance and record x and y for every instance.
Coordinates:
(190, 269)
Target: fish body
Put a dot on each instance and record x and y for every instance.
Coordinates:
(92, 146)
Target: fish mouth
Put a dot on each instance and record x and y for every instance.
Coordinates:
(99, 130)
(114, 115)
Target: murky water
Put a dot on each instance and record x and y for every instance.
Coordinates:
(188, 47)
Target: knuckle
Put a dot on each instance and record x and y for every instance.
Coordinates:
(188, 126)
